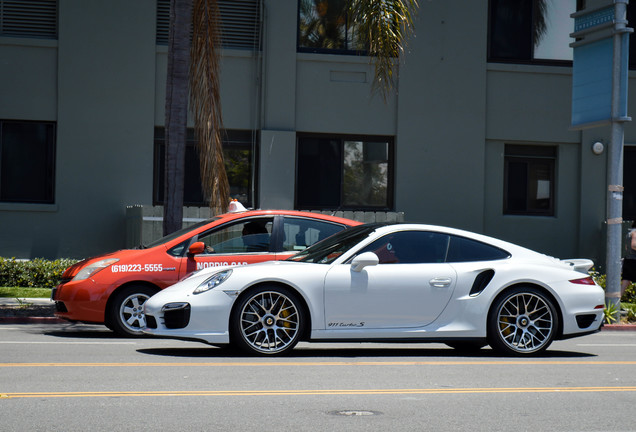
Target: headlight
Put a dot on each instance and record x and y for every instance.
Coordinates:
(213, 281)
(90, 270)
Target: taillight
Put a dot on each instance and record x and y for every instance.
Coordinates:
(584, 281)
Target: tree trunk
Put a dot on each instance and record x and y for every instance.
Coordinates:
(176, 112)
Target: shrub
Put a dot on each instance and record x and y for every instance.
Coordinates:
(628, 300)
(630, 293)
(38, 272)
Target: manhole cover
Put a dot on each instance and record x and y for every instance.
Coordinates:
(354, 413)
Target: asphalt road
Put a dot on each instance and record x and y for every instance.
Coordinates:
(62, 377)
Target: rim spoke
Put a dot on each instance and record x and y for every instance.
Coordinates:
(525, 322)
(131, 312)
(269, 322)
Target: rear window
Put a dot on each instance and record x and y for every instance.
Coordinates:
(462, 249)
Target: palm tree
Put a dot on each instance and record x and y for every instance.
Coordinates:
(383, 25)
(196, 62)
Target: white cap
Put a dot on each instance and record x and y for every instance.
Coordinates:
(235, 206)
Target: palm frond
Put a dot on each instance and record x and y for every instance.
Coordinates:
(384, 25)
(205, 98)
(540, 21)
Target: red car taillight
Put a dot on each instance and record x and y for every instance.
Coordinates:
(584, 281)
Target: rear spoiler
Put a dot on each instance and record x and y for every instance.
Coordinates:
(580, 265)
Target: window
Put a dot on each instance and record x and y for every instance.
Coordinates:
(240, 23)
(238, 154)
(247, 236)
(34, 18)
(27, 161)
(344, 172)
(529, 175)
(425, 247)
(410, 247)
(462, 249)
(299, 233)
(533, 31)
(323, 26)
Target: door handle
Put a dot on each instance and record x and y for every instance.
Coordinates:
(440, 282)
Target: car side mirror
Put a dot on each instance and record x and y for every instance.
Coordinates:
(196, 248)
(363, 260)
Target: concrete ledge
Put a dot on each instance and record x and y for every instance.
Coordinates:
(31, 320)
(619, 327)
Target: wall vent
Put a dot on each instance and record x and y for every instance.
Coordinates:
(28, 18)
(240, 23)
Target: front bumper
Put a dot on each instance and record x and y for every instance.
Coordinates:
(80, 301)
(203, 317)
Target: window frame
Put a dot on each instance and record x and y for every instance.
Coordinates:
(267, 219)
(342, 138)
(229, 136)
(335, 51)
(530, 61)
(529, 159)
(283, 221)
(450, 242)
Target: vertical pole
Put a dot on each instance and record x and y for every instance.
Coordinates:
(615, 170)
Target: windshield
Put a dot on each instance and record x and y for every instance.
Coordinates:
(176, 234)
(328, 250)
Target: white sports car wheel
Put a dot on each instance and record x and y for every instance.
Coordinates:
(522, 322)
(267, 321)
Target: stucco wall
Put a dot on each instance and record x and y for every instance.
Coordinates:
(103, 82)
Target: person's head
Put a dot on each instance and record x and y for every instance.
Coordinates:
(253, 228)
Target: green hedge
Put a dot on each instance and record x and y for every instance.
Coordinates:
(628, 297)
(38, 272)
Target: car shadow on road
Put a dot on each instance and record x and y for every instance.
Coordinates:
(349, 353)
(96, 333)
(308, 350)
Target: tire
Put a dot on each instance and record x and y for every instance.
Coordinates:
(126, 313)
(523, 321)
(267, 321)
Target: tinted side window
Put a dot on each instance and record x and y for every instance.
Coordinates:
(410, 247)
(299, 233)
(252, 235)
(462, 249)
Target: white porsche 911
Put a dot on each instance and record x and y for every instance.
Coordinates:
(387, 282)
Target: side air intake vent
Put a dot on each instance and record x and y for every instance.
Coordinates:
(481, 282)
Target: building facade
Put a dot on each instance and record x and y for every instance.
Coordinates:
(476, 134)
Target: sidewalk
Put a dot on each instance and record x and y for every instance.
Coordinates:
(27, 310)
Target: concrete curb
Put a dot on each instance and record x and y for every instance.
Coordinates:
(7, 301)
(619, 327)
(32, 320)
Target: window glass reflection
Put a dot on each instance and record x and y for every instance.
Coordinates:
(553, 42)
(531, 30)
(323, 25)
(365, 173)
